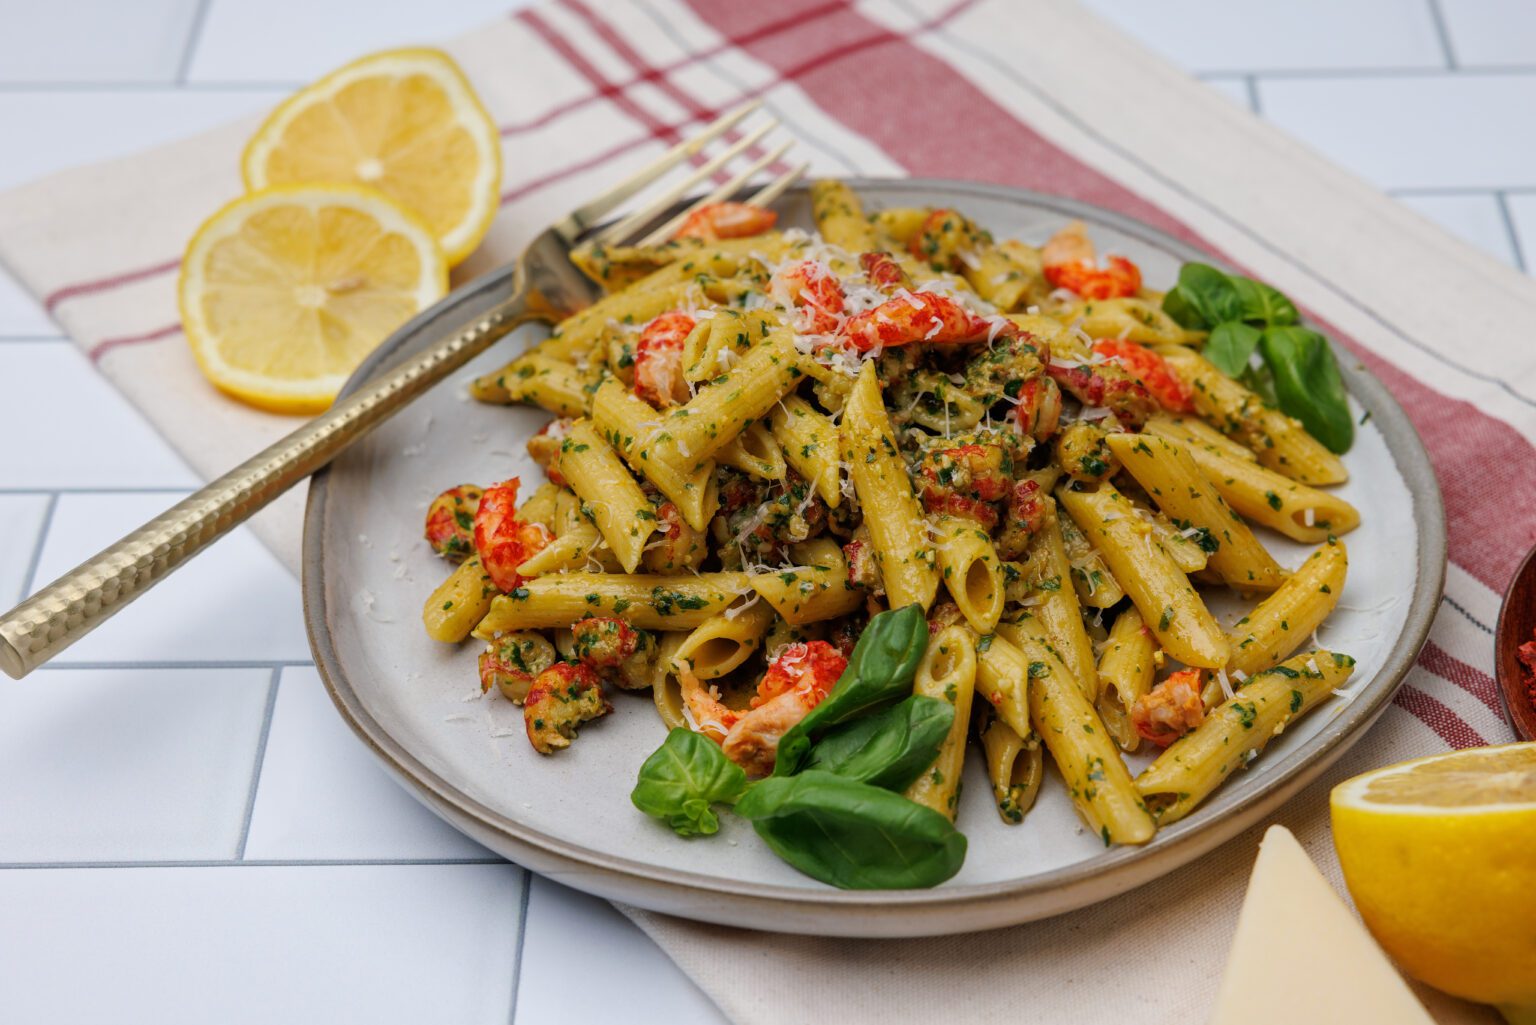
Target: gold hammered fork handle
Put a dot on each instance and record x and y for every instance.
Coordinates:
(85, 597)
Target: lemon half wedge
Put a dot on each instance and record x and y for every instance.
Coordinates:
(285, 291)
(1440, 856)
(405, 122)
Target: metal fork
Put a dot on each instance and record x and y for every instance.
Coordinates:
(545, 286)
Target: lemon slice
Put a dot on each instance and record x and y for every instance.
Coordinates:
(1440, 856)
(405, 122)
(285, 291)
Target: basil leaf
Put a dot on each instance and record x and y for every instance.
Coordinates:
(1262, 304)
(1308, 385)
(880, 671)
(1205, 297)
(851, 834)
(682, 778)
(889, 749)
(1230, 345)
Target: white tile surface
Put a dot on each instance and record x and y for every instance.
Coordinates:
(165, 946)
(140, 41)
(127, 765)
(1491, 32)
(324, 797)
(234, 602)
(20, 314)
(1476, 219)
(254, 40)
(79, 430)
(640, 984)
(21, 523)
(49, 131)
(1414, 131)
(1248, 35)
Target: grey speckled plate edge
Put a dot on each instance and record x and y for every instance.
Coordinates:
(945, 909)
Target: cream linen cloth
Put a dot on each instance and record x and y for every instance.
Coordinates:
(1033, 94)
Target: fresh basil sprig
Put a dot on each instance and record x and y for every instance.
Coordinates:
(889, 749)
(851, 834)
(681, 780)
(880, 671)
(1307, 384)
(1244, 316)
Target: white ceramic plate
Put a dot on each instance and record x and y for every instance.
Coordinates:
(417, 703)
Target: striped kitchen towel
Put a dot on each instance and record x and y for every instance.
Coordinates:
(1035, 94)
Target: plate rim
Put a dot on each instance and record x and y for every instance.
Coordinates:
(933, 911)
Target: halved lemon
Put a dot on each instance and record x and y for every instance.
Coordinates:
(405, 122)
(284, 292)
(1440, 856)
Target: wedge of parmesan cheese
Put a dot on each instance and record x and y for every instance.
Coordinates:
(1300, 955)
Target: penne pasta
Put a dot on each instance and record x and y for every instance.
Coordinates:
(947, 673)
(897, 528)
(1264, 497)
(970, 570)
(458, 603)
(1056, 604)
(539, 380)
(649, 601)
(1280, 443)
(1125, 673)
(814, 589)
(840, 217)
(666, 689)
(1002, 678)
(754, 451)
(615, 502)
(1172, 609)
(1237, 731)
(627, 422)
(724, 642)
(1169, 475)
(1015, 766)
(1284, 621)
(808, 441)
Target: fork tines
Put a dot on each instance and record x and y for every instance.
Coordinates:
(625, 228)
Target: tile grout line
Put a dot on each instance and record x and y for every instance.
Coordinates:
(261, 757)
(29, 579)
(522, 935)
(194, 37)
(1251, 82)
(1438, 17)
(1502, 199)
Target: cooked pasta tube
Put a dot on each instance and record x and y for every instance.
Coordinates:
(1057, 606)
(1159, 589)
(1015, 766)
(1125, 673)
(1002, 679)
(1264, 497)
(1168, 473)
(650, 601)
(1095, 585)
(617, 505)
(724, 642)
(1132, 318)
(897, 529)
(998, 278)
(1279, 441)
(808, 441)
(1234, 733)
(1284, 621)
(947, 673)
(580, 548)
(719, 342)
(459, 602)
(1082, 748)
(814, 589)
(840, 216)
(540, 507)
(1193, 431)
(901, 223)
(754, 451)
(666, 688)
(627, 421)
(578, 335)
(537, 379)
(693, 432)
(970, 569)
